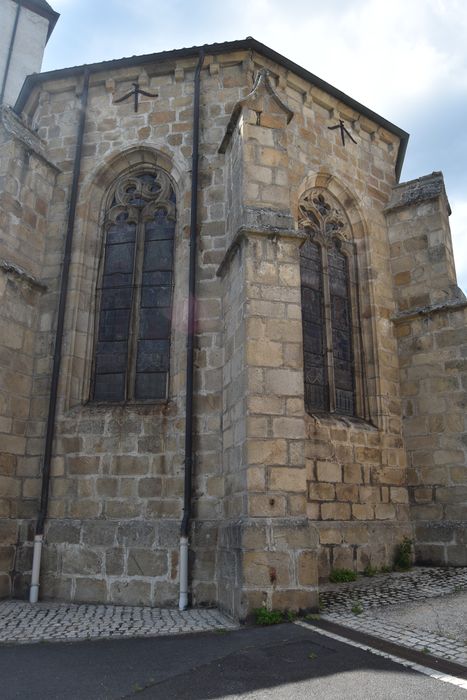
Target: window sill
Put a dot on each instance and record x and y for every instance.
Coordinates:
(159, 407)
(341, 420)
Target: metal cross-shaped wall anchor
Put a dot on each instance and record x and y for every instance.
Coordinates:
(343, 131)
(135, 92)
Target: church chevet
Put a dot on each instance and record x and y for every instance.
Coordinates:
(233, 352)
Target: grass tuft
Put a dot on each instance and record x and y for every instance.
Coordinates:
(263, 616)
(342, 575)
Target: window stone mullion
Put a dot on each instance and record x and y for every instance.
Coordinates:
(135, 311)
(328, 331)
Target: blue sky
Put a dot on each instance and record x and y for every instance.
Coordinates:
(405, 59)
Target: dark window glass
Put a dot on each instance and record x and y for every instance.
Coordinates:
(341, 331)
(313, 327)
(133, 332)
(110, 387)
(326, 306)
(151, 386)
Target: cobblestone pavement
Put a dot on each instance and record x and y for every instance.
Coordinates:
(424, 609)
(21, 622)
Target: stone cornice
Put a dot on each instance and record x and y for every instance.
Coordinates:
(451, 305)
(16, 128)
(413, 192)
(20, 273)
(244, 233)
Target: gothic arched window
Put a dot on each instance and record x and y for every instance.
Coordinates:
(132, 352)
(331, 343)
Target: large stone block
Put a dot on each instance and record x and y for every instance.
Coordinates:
(322, 492)
(266, 568)
(130, 592)
(335, 511)
(287, 479)
(329, 471)
(307, 569)
(77, 560)
(100, 533)
(385, 511)
(284, 382)
(342, 558)
(137, 533)
(83, 465)
(430, 555)
(63, 532)
(267, 452)
(456, 555)
(7, 556)
(114, 561)
(90, 590)
(352, 473)
(267, 505)
(128, 464)
(144, 562)
(363, 511)
(165, 594)
(299, 601)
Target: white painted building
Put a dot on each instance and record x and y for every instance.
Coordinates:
(25, 27)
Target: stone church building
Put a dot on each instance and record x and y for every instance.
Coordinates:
(233, 353)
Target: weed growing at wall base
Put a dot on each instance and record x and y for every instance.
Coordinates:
(403, 556)
(268, 617)
(342, 575)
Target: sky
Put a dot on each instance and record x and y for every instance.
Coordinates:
(404, 59)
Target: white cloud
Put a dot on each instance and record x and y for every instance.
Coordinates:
(384, 54)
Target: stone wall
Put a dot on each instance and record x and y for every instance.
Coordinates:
(267, 546)
(26, 187)
(18, 487)
(431, 327)
(347, 476)
(356, 469)
(234, 398)
(118, 469)
(357, 491)
(433, 352)
(268, 553)
(279, 496)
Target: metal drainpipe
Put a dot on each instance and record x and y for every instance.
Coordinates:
(183, 600)
(10, 50)
(49, 436)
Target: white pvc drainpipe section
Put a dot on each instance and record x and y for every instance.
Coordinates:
(183, 600)
(36, 569)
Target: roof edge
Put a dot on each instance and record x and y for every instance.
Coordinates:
(243, 44)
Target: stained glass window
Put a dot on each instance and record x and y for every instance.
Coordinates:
(313, 326)
(328, 343)
(135, 293)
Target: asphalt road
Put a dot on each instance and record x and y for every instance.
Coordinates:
(274, 663)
